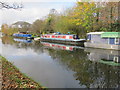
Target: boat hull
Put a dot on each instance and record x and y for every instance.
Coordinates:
(104, 46)
(69, 42)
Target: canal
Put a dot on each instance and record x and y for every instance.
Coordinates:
(63, 66)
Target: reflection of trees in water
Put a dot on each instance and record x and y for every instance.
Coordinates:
(90, 74)
(97, 75)
(7, 40)
(36, 46)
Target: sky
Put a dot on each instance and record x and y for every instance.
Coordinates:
(33, 9)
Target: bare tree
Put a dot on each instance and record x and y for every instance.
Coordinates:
(8, 6)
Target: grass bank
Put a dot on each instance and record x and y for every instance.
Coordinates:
(13, 78)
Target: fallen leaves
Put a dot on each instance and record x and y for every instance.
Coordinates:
(13, 78)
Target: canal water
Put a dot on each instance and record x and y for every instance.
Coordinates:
(63, 66)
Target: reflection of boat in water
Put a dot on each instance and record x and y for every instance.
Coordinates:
(110, 57)
(22, 40)
(60, 46)
(109, 63)
(63, 38)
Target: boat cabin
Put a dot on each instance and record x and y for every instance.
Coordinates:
(112, 38)
(59, 36)
(106, 40)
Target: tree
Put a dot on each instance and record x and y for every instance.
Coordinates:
(113, 15)
(8, 30)
(107, 16)
(38, 26)
(83, 15)
(4, 28)
(50, 21)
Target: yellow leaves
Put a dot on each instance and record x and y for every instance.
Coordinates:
(85, 4)
(88, 31)
(92, 4)
(83, 13)
(77, 19)
(78, 24)
(84, 8)
(76, 14)
(79, 3)
(80, 7)
(87, 9)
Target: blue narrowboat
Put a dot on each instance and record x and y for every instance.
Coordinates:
(105, 40)
(22, 35)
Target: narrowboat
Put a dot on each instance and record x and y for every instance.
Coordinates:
(105, 40)
(63, 38)
(23, 35)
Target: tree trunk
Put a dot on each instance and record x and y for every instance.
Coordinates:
(111, 17)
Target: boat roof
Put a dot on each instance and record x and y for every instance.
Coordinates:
(95, 32)
(107, 34)
(59, 34)
(111, 35)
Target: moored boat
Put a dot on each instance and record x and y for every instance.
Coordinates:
(105, 40)
(23, 35)
(63, 38)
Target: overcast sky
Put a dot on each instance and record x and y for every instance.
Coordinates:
(33, 9)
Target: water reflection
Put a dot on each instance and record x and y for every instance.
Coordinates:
(23, 40)
(63, 67)
(110, 57)
(60, 46)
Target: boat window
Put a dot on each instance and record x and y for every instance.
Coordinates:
(116, 59)
(116, 40)
(75, 37)
(88, 37)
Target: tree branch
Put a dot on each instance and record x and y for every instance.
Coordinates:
(13, 6)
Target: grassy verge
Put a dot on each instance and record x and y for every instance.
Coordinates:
(13, 78)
